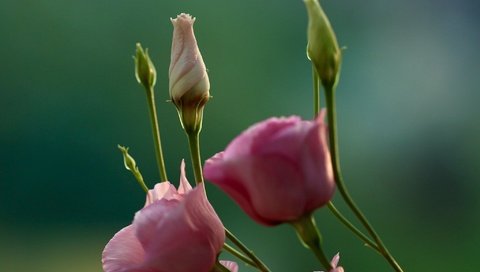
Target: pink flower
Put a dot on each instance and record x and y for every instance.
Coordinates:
(176, 231)
(277, 170)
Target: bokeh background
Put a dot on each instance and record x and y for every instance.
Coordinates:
(407, 104)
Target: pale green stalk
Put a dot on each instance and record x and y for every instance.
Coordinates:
(258, 263)
(238, 254)
(332, 122)
(156, 135)
(331, 206)
(194, 144)
(316, 91)
(351, 227)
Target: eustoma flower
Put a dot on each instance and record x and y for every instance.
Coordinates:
(176, 231)
(189, 83)
(277, 170)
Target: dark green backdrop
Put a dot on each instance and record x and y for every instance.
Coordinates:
(408, 112)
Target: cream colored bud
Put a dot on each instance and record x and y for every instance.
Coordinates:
(322, 48)
(189, 84)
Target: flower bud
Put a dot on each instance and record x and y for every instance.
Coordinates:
(322, 48)
(131, 166)
(278, 170)
(144, 69)
(189, 84)
(128, 160)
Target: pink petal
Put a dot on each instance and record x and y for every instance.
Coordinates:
(161, 190)
(223, 174)
(334, 264)
(180, 236)
(335, 260)
(232, 266)
(287, 141)
(255, 136)
(148, 221)
(317, 167)
(258, 183)
(184, 186)
(123, 253)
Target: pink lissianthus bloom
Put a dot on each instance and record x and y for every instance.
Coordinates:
(176, 231)
(277, 170)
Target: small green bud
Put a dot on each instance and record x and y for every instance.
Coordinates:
(144, 69)
(131, 166)
(322, 48)
(128, 160)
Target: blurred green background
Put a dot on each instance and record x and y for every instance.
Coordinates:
(408, 112)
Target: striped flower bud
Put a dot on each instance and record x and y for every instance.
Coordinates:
(189, 84)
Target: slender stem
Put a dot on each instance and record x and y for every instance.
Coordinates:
(316, 91)
(140, 181)
(238, 254)
(351, 227)
(156, 135)
(258, 263)
(332, 122)
(194, 144)
(321, 256)
(333, 209)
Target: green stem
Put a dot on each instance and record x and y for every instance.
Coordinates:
(351, 227)
(316, 91)
(321, 257)
(140, 181)
(156, 135)
(332, 122)
(194, 144)
(258, 263)
(333, 209)
(238, 254)
(309, 235)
